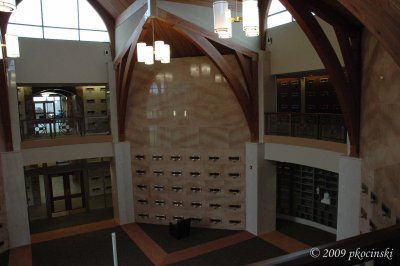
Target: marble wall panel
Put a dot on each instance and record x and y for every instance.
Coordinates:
(380, 134)
(187, 110)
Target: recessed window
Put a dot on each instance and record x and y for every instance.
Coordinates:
(58, 19)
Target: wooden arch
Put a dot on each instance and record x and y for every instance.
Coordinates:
(247, 60)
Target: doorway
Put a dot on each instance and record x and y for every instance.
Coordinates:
(66, 194)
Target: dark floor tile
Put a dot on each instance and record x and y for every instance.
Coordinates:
(160, 235)
(88, 250)
(4, 258)
(49, 224)
(246, 252)
(304, 233)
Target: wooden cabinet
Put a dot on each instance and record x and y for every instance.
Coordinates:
(289, 95)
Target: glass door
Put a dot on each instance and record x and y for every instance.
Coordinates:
(66, 193)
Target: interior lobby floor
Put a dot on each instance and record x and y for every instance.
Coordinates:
(145, 244)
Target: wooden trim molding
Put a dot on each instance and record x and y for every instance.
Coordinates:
(130, 11)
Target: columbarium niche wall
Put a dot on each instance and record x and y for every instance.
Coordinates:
(187, 133)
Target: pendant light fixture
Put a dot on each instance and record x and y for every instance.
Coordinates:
(159, 51)
(250, 18)
(223, 18)
(7, 5)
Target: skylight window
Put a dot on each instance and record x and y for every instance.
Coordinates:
(58, 19)
(278, 15)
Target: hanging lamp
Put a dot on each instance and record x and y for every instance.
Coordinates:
(223, 18)
(7, 5)
(159, 51)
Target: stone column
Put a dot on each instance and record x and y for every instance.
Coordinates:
(122, 183)
(15, 199)
(260, 191)
(349, 196)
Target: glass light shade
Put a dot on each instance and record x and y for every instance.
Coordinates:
(227, 34)
(7, 5)
(149, 55)
(158, 50)
(12, 46)
(166, 54)
(250, 17)
(221, 24)
(141, 52)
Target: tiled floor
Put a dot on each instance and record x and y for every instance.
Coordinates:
(238, 248)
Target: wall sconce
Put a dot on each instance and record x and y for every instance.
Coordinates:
(7, 5)
(12, 47)
(223, 18)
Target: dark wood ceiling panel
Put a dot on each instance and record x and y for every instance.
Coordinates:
(116, 7)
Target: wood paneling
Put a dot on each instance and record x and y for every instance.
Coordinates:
(116, 7)
(382, 19)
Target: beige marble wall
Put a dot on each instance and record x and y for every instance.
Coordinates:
(380, 134)
(186, 108)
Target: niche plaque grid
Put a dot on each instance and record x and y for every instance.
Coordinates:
(209, 188)
(307, 192)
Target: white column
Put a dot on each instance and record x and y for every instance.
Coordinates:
(113, 102)
(349, 197)
(15, 199)
(261, 89)
(13, 105)
(260, 191)
(122, 183)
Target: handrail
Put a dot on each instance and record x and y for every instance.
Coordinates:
(380, 241)
(60, 126)
(307, 125)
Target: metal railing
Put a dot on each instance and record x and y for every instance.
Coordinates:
(381, 246)
(50, 128)
(306, 125)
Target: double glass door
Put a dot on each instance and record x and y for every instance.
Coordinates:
(66, 193)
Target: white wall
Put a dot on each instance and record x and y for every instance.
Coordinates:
(323, 159)
(61, 61)
(67, 152)
(291, 51)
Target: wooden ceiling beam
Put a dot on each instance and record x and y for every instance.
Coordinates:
(302, 13)
(382, 19)
(175, 20)
(130, 11)
(334, 14)
(131, 39)
(126, 64)
(263, 7)
(208, 49)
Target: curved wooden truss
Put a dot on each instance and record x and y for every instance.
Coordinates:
(346, 81)
(206, 42)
